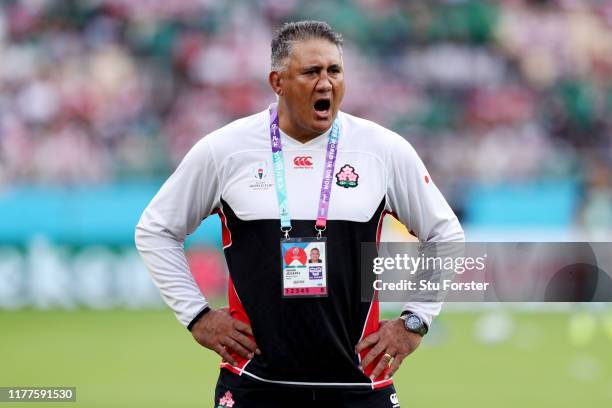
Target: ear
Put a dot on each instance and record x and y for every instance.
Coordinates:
(275, 81)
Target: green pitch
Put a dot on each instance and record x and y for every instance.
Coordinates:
(146, 359)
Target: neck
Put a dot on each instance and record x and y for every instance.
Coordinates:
(289, 128)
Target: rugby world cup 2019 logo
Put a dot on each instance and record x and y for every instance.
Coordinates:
(295, 256)
(258, 175)
(347, 177)
(260, 170)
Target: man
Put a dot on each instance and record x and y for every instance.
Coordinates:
(315, 255)
(288, 340)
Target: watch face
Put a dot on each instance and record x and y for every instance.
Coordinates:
(413, 322)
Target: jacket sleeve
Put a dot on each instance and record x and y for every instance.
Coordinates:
(416, 201)
(186, 198)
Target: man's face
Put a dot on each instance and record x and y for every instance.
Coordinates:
(314, 255)
(311, 88)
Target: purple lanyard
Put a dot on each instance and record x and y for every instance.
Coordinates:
(279, 174)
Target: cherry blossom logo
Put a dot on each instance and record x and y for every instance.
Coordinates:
(347, 177)
(226, 401)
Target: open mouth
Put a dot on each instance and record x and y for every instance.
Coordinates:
(322, 105)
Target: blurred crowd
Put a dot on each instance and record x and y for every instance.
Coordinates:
(488, 92)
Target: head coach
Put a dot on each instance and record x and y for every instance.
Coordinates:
(290, 337)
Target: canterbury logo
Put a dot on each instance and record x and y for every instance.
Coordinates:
(302, 161)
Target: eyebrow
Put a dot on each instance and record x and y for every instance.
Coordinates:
(319, 67)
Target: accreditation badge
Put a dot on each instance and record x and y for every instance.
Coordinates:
(304, 267)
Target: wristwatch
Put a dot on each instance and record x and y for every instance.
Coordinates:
(413, 323)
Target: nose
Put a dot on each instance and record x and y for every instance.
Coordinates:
(324, 83)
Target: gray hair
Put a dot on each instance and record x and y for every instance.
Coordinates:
(292, 32)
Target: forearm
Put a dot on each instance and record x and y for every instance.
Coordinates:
(447, 240)
(165, 259)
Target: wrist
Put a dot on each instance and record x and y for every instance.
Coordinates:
(414, 323)
(198, 316)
